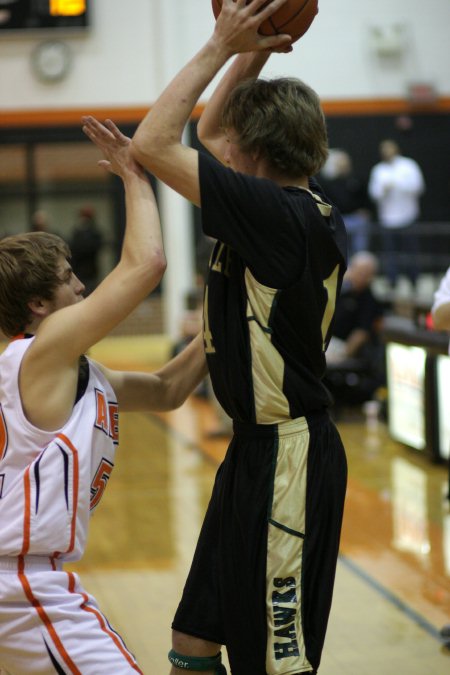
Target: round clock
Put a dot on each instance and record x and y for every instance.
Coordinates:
(51, 60)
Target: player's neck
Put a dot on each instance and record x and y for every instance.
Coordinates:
(282, 179)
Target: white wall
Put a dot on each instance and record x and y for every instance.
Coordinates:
(135, 46)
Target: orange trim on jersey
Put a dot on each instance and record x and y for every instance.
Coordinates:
(103, 625)
(74, 452)
(3, 434)
(45, 618)
(20, 336)
(71, 582)
(27, 512)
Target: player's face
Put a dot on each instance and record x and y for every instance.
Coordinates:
(70, 290)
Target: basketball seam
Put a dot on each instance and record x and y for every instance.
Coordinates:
(279, 29)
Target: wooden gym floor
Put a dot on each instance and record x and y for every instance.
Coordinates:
(393, 582)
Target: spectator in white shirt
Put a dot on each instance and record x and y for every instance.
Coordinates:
(395, 185)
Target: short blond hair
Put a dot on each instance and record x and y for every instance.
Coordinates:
(28, 270)
(283, 120)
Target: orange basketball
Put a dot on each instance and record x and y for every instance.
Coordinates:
(294, 17)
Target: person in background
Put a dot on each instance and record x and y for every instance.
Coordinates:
(355, 355)
(440, 312)
(262, 576)
(358, 312)
(40, 221)
(86, 243)
(349, 194)
(59, 417)
(396, 185)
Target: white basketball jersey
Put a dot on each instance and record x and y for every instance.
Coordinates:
(50, 481)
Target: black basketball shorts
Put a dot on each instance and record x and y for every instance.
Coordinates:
(262, 577)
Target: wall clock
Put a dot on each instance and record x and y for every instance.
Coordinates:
(51, 60)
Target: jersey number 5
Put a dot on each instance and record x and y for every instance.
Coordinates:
(100, 480)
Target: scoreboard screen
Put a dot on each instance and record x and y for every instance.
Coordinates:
(30, 15)
(406, 394)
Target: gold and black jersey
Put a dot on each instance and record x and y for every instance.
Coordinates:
(273, 280)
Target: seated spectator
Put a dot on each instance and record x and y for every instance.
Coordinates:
(355, 355)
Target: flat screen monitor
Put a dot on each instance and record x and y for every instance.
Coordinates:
(443, 404)
(406, 394)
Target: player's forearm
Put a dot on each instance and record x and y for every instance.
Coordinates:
(245, 66)
(142, 244)
(164, 123)
(165, 389)
(182, 374)
(355, 341)
(441, 317)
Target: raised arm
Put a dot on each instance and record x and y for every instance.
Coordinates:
(164, 389)
(50, 367)
(157, 142)
(209, 130)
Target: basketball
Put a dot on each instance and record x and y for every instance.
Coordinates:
(294, 17)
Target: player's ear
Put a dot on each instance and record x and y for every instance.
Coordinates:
(39, 307)
(256, 155)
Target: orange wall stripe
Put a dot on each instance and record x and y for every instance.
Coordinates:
(390, 106)
(72, 117)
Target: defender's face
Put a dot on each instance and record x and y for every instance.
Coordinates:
(70, 290)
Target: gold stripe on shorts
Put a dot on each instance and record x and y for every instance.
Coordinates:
(285, 642)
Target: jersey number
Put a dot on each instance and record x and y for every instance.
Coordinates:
(100, 480)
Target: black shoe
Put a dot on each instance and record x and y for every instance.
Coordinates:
(445, 631)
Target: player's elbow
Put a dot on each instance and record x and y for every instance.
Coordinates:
(148, 272)
(171, 396)
(145, 149)
(156, 265)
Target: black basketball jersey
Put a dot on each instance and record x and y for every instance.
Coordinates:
(273, 279)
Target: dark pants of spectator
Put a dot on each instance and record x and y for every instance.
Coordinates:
(357, 226)
(401, 252)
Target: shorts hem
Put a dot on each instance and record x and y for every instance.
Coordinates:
(197, 634)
